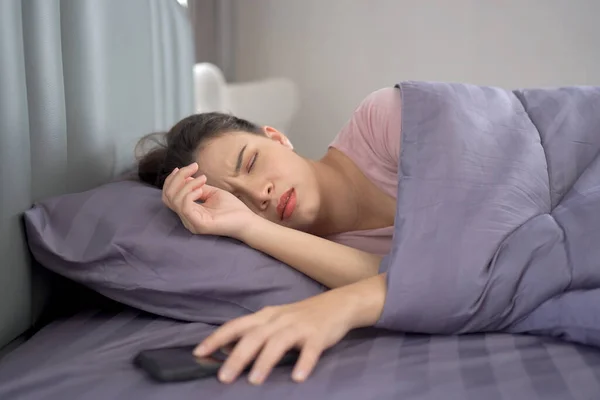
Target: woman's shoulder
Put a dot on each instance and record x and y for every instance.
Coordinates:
(371, 138)
(376, 120)
(387, 99)
(374, 128)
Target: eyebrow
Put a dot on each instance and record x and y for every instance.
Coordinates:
(240, 158)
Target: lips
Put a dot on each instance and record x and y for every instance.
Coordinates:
(286, 205)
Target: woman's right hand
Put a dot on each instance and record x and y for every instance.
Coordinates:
(311, 326)
(221, 213)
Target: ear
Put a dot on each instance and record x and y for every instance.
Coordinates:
(277, 136)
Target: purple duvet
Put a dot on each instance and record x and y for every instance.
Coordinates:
(88, 357)
(498, 212)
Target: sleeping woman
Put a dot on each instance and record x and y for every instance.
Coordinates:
(331, 219)
(482, 215)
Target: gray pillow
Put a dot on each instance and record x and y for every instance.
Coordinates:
(123, 242)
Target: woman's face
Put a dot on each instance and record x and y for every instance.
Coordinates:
(265, 173)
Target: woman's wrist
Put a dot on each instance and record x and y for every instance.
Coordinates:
(365, 300)
(252, 228)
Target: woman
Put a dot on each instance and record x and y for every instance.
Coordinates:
(331, 219)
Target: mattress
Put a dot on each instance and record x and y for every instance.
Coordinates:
(88, 356)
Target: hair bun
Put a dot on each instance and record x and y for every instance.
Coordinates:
(151, 152)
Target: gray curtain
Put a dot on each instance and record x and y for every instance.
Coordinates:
(213, 27)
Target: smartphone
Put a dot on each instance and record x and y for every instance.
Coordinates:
(178, 364)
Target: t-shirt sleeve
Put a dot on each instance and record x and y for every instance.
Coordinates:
(374, 129)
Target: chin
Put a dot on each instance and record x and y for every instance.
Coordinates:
(304, 216)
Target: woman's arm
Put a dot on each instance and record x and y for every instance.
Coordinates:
(221, 213)
(330, 263)
(311, 325)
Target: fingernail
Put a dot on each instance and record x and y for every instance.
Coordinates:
(255, 377)
(176, 169)
(299, 376)
(225, 375)
(200, 351)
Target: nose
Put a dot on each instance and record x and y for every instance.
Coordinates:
(263, 196)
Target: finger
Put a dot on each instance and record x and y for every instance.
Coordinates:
(226, 334)
(180, 174)
(178, 180)
(189, 201)
(166, 184)
(190, 211)
(277, 345)
(188, 205)
(190, 186)
(243, 353)
(207, 191)
(309, 356)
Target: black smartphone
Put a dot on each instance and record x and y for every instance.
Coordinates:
(177, 364)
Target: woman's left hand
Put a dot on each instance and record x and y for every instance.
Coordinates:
(311, 325)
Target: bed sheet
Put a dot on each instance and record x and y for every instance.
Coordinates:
(88, 356)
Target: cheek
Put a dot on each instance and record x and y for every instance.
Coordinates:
(287, 164)
(286, 169)
(273, 168)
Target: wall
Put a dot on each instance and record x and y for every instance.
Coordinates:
(340, 50)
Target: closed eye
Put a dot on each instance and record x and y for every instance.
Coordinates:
(252, 162)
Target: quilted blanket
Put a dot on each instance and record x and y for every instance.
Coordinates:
(498, 212)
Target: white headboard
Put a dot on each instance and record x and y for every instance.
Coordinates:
(271, 101)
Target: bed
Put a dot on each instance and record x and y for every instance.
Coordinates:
(87, 356)
(81, 83)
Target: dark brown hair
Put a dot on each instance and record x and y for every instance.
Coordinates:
(178, 147)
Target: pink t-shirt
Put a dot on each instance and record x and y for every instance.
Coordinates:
(371, 139)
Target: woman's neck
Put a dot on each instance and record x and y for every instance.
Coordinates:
(340, 209)
(349, 200)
